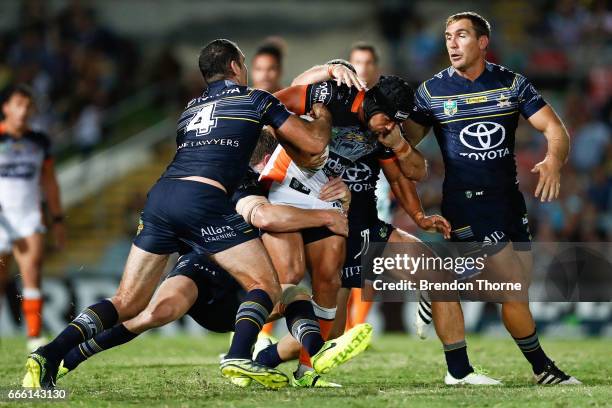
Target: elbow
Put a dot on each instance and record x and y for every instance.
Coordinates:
(316, 148)
(268, 221)
(264, 220)
(420, 174)
(417, 173)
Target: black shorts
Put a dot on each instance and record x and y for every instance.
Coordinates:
(183, 212)
(488, 219)
(219, 295)
(310, 235)
(357, 243)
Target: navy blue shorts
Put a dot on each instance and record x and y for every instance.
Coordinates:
(488, 219)
(357, 243)
(198, 215)
(219, 295)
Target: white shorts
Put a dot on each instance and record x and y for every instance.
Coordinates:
(283, 194)
(16, 224)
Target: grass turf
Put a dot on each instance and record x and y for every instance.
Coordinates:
(398, 370)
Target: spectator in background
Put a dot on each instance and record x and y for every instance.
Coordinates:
(166, 72)
(591, 139)
(568, 22)
(88, 128)
(423, 48)
(267, 68)
(393, 16)
(67, 58)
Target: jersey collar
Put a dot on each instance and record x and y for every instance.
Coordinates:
(488, 68)
(220, 84)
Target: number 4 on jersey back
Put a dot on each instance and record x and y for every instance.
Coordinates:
(203, 121)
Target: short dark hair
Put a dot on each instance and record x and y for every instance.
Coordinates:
(216, 57)
(17, 89)
(265, 145)
(271, 50)
(364, 46)
(481, 25)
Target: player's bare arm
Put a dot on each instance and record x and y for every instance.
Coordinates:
(309, 136)
(50, 187)
(406, 194)
(546, 121)
(411, 162)
(338, 72)
(260, 213)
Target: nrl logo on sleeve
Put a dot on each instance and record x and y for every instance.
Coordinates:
(450, 107)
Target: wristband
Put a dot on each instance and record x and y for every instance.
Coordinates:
(404, 149)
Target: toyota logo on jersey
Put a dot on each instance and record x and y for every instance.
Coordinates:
(359, 178)
(482, 135)
(486, 138)
(357, 173)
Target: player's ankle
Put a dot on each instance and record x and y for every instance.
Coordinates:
(301, 370)
(461, 373)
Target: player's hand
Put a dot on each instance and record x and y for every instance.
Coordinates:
(344, 75)
(58, 230)
(549, 183)
(319, 111)
(433, 223)
(338, 223)
(336, 189)
(394, 139)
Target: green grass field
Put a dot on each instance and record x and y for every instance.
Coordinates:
(155, 371)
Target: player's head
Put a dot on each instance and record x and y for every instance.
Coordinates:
(263, 149)
(467, 38)
(222, 59)
(364, 58)
(387, 103)
(267, 68)
(17, 106)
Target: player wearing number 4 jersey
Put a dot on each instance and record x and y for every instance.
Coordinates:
(208, 294)
(474, 108)
(190, 206)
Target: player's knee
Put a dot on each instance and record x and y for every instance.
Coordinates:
(294, 272)
(126, 308)
(327, 282)
(291, 271)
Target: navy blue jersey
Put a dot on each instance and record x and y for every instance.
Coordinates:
(475, 124)
(361, 178)
(218, 131)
